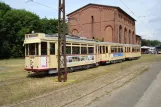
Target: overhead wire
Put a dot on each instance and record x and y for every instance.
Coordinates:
(137, 17)
(41, 4)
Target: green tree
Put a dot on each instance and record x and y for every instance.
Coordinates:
(16, 24)
(153, 43)
(4, 45)
(48, 26)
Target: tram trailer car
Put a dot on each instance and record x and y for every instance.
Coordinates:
(111, 52)
(132, 51)
(82, 53)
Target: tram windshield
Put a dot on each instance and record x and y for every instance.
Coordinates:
(32, 49)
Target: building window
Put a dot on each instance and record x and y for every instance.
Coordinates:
(92, 18)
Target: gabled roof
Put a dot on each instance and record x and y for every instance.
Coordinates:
(103, 6)
(138, 36)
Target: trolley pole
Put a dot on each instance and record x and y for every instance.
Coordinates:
(62, 63)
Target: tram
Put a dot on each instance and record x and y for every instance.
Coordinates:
(82, 53)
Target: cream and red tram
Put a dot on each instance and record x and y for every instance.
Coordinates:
(82, 53)
(41, 52)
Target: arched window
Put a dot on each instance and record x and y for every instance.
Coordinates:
(75, 32)
(129, 36)
(125, 36)
(119, 34)
(108, 34)
(133, 38)
(92, 26)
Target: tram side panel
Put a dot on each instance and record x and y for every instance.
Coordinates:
(104, 54)
(117, 53)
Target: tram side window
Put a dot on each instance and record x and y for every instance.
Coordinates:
(103, 48)
(133, 50)
(96, 49)
(90, 50)
(32, 49)
(121, 49)
(106, 49)
(68, 50)
(43, 48)
(26, 49)
(75, 50)
(100, 50)
(83, 50)
(112, 50)
(129, 49)
(52, 48)
(115, 49)
(37, 48)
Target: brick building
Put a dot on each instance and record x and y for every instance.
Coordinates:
(101, 22)
(138, 39)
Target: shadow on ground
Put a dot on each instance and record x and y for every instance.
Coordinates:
(41, 75)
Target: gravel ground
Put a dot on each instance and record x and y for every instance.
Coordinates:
(81, 94)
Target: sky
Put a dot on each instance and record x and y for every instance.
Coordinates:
(146, 12)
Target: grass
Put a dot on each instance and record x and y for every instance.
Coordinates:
(17, 86)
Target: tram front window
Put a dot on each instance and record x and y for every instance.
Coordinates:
(32, 49)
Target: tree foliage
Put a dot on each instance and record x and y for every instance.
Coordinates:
(153, 43)
(14, 24)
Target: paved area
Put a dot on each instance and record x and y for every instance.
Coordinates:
(152, 97)
(144, 91)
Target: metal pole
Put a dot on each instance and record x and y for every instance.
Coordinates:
(62, 65)
(64, 42)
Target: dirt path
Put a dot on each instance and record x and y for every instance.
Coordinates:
(83, 93)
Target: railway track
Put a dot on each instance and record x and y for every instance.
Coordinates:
(75, 85)
(100, 88)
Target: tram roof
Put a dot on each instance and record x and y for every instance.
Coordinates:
(35, 37)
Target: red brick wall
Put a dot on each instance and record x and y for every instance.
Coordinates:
(105, 25)
(138, 40)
